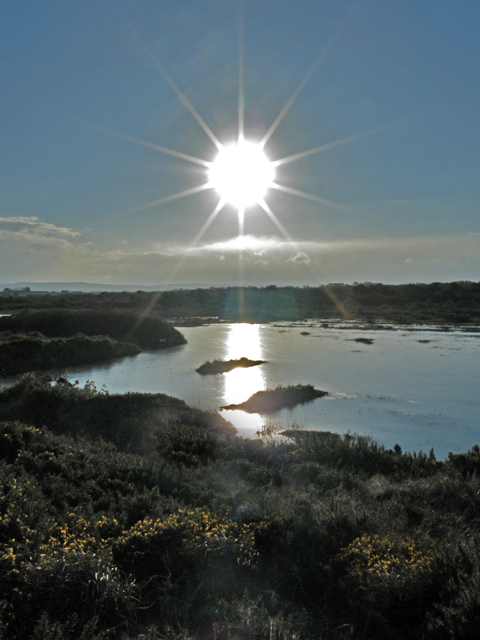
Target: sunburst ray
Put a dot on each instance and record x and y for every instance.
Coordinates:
(149, 145)
(277, 223)
(315, 271)
(221, 203)
(195, 241)
(309, 196)
(302, 84)
(171, 198)
(241, 71)
(337, 143)
(180, 263)
(183, 98)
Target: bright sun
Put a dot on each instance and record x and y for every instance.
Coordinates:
(241, 174)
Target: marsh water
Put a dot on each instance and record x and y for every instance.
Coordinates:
(417, 387)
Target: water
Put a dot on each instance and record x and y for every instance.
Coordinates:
(421, 395)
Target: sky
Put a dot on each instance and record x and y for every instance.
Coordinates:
(97, 94)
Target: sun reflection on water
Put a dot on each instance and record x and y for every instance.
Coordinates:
(244, 341)
(240, 384)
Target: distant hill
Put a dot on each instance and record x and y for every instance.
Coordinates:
(88, 287)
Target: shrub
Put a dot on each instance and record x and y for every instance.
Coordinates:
(71, 589)
(389, 561)
(456, 614)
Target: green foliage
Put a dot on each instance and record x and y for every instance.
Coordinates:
(76, 587)
(133, 422)
(468, 463)
(457, 613)
(361, 454)
(170, 527)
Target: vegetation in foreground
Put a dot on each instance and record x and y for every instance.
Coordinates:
(273, 400)
(161, 524)
(55, 338)
(223, 366)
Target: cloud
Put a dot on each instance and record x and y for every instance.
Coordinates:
(35, 250)
(32, 230)
(31, 249)
(250, 244)
(300, 258)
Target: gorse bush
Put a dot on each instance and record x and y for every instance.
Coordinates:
(379, 562)
(128, 517)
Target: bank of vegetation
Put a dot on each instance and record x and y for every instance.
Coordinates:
(56, 338)
(438, 302)
(128, 517)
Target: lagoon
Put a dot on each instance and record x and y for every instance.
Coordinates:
(413, 386)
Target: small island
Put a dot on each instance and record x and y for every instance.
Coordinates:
(224, 366)
(274, 400)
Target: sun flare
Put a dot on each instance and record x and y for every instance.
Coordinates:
(241, 174)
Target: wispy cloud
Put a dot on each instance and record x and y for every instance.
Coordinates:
(254, 244)
(30, 246)
(32, 230)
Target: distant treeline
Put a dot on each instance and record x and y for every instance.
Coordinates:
(454, 302)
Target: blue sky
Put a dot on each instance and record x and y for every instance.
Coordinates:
(400, 204)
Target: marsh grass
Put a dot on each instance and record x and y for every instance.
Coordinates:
(198, 534)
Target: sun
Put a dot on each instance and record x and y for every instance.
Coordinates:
(242, 174)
